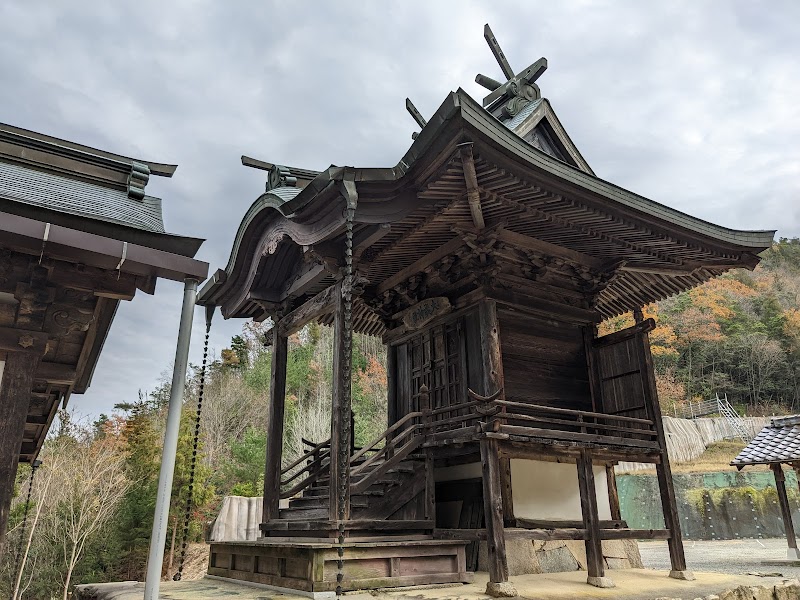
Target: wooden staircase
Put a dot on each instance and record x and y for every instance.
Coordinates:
(387, 493)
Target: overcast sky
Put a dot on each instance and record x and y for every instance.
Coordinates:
(693, 104)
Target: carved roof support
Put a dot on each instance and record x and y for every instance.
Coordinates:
(471, 179)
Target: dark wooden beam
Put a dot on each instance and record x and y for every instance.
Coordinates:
(635, 534)
(321, 304)
(56, 373)
(105, 283)
(15, 395)
(494, 380)
(20, 340)
(308, 276)
(541, 307)
(419, 265)
(391, 384)
(528, 243)
(493, 511)
(613, 494)
(666, 485)
(512, 533)
(591, 521)
(786, 511)
(275, 415)
(471, 180)
(566, 524)
(339, 499)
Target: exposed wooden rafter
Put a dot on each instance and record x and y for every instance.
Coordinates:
(471, 179)
(585, 230)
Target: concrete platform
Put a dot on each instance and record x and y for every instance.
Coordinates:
(631, 584)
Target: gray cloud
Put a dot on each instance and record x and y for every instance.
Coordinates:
(691, 104)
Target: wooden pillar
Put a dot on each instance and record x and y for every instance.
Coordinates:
(391, 384)
(493, 380)
(613, 494)
(493, 512)
(666, 486)
(339, 500)
(786, 511)
(275, 413)
(15, 396)
(595, 564)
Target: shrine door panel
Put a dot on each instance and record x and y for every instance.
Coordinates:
(436, 358)
(622, 377)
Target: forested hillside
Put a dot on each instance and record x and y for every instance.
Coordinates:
(92, 501)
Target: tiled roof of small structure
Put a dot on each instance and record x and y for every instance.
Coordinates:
(778, 442)
(74, 196)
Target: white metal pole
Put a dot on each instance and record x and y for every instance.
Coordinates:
(159, 536)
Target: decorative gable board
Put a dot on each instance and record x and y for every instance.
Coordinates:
(541, 128)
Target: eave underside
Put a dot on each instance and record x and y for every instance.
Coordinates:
(535, 234)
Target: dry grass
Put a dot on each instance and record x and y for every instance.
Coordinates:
(717, 457)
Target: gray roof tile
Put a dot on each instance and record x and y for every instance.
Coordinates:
(285, 193)
(73, 196)
(776, 443)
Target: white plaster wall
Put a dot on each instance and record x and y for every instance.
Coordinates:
(549, 490)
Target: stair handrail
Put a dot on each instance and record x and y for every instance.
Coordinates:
(385, 436)
(306, 456)
(392, 451)
(392, 447)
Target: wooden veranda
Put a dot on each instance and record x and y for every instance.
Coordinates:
(484, 260)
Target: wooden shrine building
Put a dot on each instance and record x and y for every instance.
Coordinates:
(485, 260)
(777, 444)
(78, 234)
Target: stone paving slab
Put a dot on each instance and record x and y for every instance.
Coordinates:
(631, 584)
(725, 556)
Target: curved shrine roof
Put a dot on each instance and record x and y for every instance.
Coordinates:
(634, 250)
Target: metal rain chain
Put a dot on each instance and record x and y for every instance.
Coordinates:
(34, 465)
(195, 443)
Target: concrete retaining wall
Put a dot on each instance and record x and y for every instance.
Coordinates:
(238, 519)
(688, 438)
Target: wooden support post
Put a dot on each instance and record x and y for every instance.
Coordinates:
(430, 482)
(666, 485)
(15, 396)
(339, 501)
(391, 384)
(595, 388)
(275, 412)
(493, 380)
(493, 511)
(786, 511)
(613, 494)
(595, 564)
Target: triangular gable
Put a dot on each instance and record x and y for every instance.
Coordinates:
(538, 125)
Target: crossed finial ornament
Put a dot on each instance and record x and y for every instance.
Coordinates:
(510, 97)
(519, 89)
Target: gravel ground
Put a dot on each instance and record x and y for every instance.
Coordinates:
(739, 557)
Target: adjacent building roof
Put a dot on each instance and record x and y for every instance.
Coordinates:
(84, 188)
(778, 442)
(78, 234)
